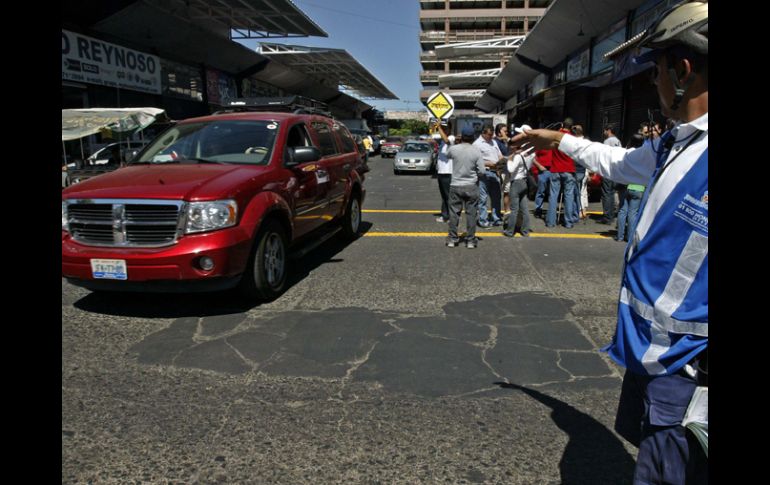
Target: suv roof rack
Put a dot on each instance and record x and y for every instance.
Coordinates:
(291, 104)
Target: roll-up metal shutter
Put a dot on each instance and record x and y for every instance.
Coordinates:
(577, 104)
(642, 96)
(607, 107)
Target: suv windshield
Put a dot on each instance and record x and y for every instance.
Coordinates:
(225, 141)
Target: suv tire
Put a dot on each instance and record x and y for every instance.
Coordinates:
(351, 221)
(265, 275)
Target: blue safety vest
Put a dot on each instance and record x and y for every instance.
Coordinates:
(663, 304)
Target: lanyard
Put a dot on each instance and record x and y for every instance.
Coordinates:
(662, 169)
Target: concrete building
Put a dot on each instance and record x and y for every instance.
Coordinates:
(466, 43)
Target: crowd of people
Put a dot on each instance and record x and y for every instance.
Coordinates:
(507, 177)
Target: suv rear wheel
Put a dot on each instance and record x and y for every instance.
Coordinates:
(265, 275)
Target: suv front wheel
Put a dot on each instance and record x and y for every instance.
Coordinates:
(265, 275)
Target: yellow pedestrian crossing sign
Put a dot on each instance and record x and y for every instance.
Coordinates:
(440, 105)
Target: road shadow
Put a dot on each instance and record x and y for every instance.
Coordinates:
(179, 305)
(593, 455)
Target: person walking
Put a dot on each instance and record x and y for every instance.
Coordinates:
(662, 329)
(467, 167)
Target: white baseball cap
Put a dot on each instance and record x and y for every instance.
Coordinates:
(522, 128)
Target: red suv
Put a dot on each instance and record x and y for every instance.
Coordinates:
(213, 203)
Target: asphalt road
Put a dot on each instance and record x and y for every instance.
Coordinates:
(392, 359)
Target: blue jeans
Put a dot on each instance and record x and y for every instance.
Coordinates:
(542, 184)
(557, 179)
(489, 186)
(579, 176)
(629, 208)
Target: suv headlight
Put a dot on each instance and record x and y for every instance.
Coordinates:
(208, 216)
(65, 226)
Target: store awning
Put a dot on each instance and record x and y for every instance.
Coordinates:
(77, 123)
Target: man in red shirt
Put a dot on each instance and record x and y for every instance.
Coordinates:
(562, 173)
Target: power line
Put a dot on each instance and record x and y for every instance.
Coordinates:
(358, 16)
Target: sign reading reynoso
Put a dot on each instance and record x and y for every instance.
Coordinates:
(95, 61)
(441, 105)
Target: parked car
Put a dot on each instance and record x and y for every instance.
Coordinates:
(415, 156)
(213, 203)
(103, 155)
(97, 164)
(390, 146)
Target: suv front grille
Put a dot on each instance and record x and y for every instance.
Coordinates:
(125, 223)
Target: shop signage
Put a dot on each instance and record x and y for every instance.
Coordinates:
(94, 61)
(577, 67)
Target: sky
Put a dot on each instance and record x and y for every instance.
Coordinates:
(382, 35)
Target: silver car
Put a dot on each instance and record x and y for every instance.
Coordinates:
(415, 156)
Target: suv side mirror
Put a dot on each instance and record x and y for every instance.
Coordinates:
(298, 155)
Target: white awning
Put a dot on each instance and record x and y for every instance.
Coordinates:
(77, 123)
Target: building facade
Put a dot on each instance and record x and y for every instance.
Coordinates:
(466, 43)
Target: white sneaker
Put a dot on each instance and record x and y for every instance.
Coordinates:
(470, 245)
(451, 244)
(441, 219)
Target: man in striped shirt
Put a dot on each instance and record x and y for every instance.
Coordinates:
(662, 331)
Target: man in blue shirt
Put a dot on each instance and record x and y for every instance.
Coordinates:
(662, 331)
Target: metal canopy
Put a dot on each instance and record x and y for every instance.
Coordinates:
(470, 79)
(479, 47)
(148, 28)
(464, 94)
(244, 19)
(334, 66)
(556, 34)
(552, 39)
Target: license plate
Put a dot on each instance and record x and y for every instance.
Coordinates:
(411, 165)
(109, 269)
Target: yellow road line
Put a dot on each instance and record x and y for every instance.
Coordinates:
(437, 211)
(384, 211)
(482, 234)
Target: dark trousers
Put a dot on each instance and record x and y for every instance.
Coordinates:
(468, 196)
(518, 197)
(649, 415)
(444, 179)
(608, 198)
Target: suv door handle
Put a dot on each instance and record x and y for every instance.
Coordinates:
(346, 167)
